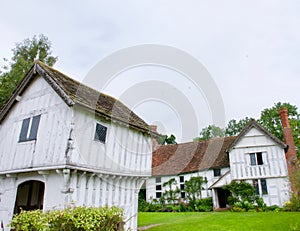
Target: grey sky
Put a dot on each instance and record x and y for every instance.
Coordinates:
(250, 48)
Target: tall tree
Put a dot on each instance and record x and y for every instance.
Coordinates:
(171, 194)
(235, 127)
(270, 120)
(210, 131)
(24, 54)
(193, 188)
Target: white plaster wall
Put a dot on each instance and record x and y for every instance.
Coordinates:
(76, 188)
(125, 151)
(50, 146)
(208, 174)
(274, 163)
(278, 191)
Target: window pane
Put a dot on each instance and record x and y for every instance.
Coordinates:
(34, 127)
(264, 186)
(182, 187)
(217, 172)
(255, 185)
(259, 158)
(24, 129)
(158, 180)
(181, 178)
(158, 195)
(252, 159)
(182, 194)
(100, 133)
(158, 187)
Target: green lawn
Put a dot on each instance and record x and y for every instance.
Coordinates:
(221, 221)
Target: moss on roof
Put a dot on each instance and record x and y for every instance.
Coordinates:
(76, 93)
(103, 104)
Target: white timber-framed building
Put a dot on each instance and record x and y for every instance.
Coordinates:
(254, 156)
(64, 143)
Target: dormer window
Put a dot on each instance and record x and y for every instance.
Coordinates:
(256, 158)
(100, 133)
(29, 128)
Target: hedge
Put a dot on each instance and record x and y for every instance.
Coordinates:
(70, 219)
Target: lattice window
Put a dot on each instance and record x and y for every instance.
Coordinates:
(100, 133)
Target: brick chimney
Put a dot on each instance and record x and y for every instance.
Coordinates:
(155, 144)
(290, 155)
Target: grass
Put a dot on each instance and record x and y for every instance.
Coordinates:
(221, 221)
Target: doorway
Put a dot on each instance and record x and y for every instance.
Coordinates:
(222, 197)
(30, 196)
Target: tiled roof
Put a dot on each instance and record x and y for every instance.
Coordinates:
(182, 158)
(75, 93)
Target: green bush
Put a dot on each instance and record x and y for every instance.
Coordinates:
(273, 208)
(153, 206)
(202, 205)
(292, 205)
(69, 219)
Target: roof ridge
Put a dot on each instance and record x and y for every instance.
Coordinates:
(45, 66)
(75, 92)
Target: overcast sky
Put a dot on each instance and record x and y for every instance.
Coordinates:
(250, 48)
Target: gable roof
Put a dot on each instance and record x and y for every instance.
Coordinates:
(189, 157)
(75, 93)
(253, 124)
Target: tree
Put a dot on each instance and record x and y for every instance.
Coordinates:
(270, 120)
(162, 140)
(193, 188)
(170, 194)
(24, 55)
(209, 132)
(235, 127)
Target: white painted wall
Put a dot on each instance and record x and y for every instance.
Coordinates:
(274, 168)
(274, 163)
(50, 146)
(125, 152)
(208, 174)
(74, 167)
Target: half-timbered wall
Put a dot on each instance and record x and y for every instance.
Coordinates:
(65, 187)
(54, 127)
(125, 151)
(206, 192)
(273, 157)
(271, 167)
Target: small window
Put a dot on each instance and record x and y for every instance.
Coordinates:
(260, 186)
(256, 158)
(182, 187)
(182, 194)
(181, 178)
(255, 185)
(158, 194)
(264, 186)
(217, 172)
(100, 133)
(158, 187)
(158, 179)
(29, 128)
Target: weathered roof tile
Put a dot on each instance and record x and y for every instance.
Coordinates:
(182, 158)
